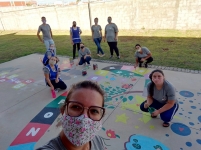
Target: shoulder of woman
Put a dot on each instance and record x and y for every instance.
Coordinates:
(168, 85)
(98, 141)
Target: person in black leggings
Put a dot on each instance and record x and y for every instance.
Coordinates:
(111, 35)
(143, 56)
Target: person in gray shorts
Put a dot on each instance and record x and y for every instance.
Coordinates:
(111, 35)
(161, 98)
(47, 34)
(142, 55)
(97, 37)
(82, 113)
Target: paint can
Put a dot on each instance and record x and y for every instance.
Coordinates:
(151, 110)
(84, 72)
(95, 66)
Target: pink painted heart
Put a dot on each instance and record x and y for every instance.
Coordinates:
(181, 129)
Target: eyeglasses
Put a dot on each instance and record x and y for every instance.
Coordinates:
(76, 109)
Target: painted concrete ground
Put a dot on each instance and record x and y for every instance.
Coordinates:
(29, 115)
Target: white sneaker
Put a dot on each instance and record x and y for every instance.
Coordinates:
(99, 55)
(102, 55)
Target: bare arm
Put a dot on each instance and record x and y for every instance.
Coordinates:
(71, 38)
(51, 33)
(149, 100)
(148, 55)
(38, 35)
(167, 106)
(80, 31)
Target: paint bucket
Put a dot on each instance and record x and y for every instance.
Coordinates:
(151, 110)
(53, 93)
(84, 72)
(95, 66)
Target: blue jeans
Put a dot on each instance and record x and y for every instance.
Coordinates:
(87, 60)
(97, 42)
(48, 43)
(167, 115)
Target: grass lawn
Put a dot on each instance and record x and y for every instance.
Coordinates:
(169, 47)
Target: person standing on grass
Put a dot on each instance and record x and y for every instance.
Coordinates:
(75, 37)
(142, 55)
(51, 72)
(162, 97)
(111, 35)
(47, 34)
(84, 55)
(97, 37)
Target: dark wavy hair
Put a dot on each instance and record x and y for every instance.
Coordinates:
(151, 88)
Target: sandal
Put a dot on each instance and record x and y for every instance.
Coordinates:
(166, 124)
(153, 116)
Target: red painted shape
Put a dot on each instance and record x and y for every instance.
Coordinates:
(181, 129)
(26, 136)
(64, 94)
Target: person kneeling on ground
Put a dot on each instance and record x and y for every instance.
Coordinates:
(48, 54)
(84, 55)
(81, 119)
(143, 55)
(160, 96)
(51, 72)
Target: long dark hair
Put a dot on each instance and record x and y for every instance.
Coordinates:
(151, 88)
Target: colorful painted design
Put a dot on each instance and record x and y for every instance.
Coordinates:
(28, 137)
(112, 134)
(101, 72)
(186, 94)
(141, 71)
(95, 78)
(144, 143)
(129, 68)
(180, 129)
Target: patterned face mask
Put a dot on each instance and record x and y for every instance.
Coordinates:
(80, 130)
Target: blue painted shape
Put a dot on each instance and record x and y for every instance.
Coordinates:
(191, 123)
(28, 146)
(180, 129)
(190, 112)
(199, 119)
(190, 101)
(112, 79)
(167, 135)
(186, 93)
(46, 116)
(143, 143)
(65, 70)
(180, 113)
(198, 141)
(189, 144)
(193, 107)
(180, 102)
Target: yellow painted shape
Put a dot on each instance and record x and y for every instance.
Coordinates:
(122, 118)
(139, 99)
(151, 127)
(145, 117)
(177, 117)
(141, 71)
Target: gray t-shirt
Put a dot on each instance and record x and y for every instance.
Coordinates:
(56, 144)
(110, 30)
(145, 52)
(46, 31)
(85, 52)
(96, 31)
(163, 95)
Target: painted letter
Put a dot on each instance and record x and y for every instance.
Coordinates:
(33, 132)
(48, 115)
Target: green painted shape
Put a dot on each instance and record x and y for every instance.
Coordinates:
(138, 75)
(121, 97)
(106, 89)
(57, 102)
(146, 82)
(105, 105)
(103, 129)
(124, 99)
(108, 99)
(118, 136)
(111, 107)
(130, 98)
(116, 99)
